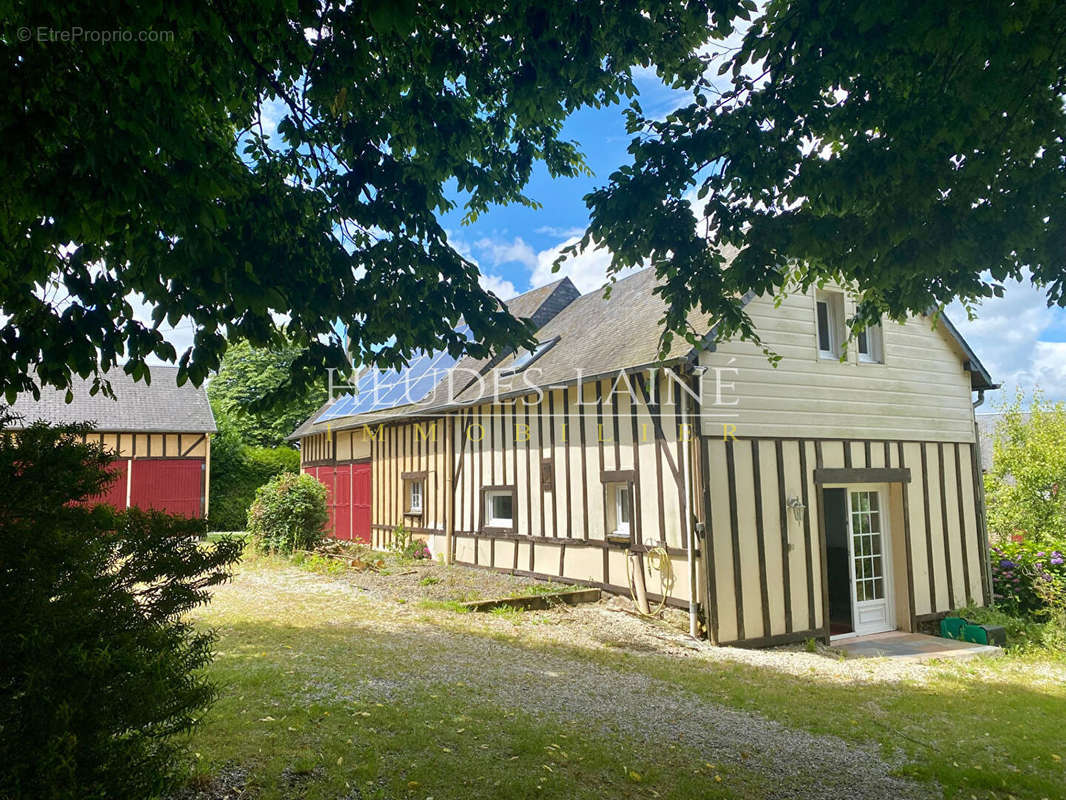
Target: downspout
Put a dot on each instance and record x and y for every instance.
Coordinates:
(690, 544)
(986, 561)
(702, 527)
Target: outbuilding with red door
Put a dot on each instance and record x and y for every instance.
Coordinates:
(160, 434)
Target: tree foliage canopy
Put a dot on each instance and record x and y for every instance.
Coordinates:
(144, 167)
(914, 147)
(251, 373)
(1026, 487)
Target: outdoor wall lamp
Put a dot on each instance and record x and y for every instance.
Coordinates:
(797, 508)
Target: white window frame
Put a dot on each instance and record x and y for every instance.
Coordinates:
(875, 345)
(623, 501)
(834, 305)
(491, 520)
(415, 492)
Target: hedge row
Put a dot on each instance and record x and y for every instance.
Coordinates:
(237, 470)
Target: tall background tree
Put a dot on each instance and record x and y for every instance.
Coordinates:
(141, 172)
(250, 447)
(249, 373)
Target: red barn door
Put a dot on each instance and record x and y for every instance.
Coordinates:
(115, 495)
(342, 501)
(361, 489)
(347, 499)
(168, 484)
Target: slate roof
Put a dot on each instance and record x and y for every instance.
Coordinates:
(597, 335)
(162, 407)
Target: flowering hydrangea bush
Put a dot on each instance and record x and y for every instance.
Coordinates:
(1029, 578)
(417, 548)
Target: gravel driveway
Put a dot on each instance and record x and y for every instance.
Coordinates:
(440, 651)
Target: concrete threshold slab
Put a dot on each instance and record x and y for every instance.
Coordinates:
(912, 647)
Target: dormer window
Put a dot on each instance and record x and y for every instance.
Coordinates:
(527, 357)
(871, 345)
(829, 310)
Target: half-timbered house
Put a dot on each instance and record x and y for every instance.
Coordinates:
(836, 493)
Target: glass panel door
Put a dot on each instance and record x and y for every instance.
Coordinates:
(870, 562)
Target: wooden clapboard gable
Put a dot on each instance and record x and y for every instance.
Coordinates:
(921, 391)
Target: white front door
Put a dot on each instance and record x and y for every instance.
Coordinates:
(871, 577)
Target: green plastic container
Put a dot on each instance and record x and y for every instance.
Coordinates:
(953, 627)
(978, 634)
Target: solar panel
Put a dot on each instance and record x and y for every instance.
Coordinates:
(379, 390)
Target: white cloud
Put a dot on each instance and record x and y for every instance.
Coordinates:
(588, 269)
(271, 112)
(501, 287)
(560, 233)
(498, 252)
(1007, 338)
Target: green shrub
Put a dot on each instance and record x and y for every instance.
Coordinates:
(289, 513)
(1024, 633)
(1029, 578)
(237, 470)
(101, 670)
(407, 546)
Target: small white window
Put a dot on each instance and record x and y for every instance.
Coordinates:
(622, 509)
(499, 508)
(871, 345)
(415, 497)
(829, 318)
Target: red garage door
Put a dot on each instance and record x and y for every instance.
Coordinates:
(116, 493)
(347, 499)
(361, 501)
(168, 484)
(342, 501)
(327, 477)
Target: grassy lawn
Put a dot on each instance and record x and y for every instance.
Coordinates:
(988, 728)
(331, 693)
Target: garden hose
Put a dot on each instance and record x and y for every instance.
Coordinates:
(658, 559)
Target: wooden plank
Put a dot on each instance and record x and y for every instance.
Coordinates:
(566, 465)
(907, 538)
(962, 528)
(786, 567)
(582, 422)
(823, 546)
(734, 530)
(707, 548)
(808, 540)
(861, 474)
(760, 538)
(944, 526)
(928, 529)
(537, 602)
